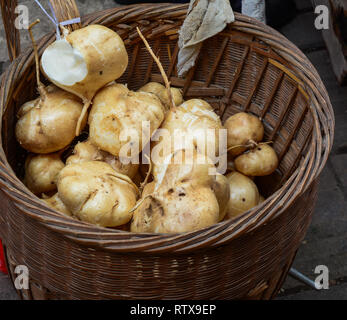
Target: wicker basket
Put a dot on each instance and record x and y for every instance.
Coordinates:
(248, 66)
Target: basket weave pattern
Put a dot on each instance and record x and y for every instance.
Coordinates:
(248, 67)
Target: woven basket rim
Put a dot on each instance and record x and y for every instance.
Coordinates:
(219, 234)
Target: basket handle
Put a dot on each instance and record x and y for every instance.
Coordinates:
(64, 10)
(8, 8)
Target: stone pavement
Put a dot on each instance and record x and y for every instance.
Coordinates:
(326, 240)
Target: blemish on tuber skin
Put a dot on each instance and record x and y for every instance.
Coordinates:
(173, 207)
(259, 161)
(244, 195)
(117, 112)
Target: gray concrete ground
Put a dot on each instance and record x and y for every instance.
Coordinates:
(6, 289)
(326, 240)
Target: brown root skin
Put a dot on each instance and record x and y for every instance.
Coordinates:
(26, 107)
(146, 192)
(110, 57)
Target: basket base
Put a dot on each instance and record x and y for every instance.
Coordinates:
(263, 285)
(265, 290)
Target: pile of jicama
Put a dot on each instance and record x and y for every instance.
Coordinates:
(98, 182)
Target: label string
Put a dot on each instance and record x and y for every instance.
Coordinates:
(54, 19)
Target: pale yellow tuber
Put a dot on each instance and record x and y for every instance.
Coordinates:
(94, 192)
(182, 197)
(244, 195)
(160, 91)
(84, 61)
(86, 151)
(259, 161)
(48, 123)
(58, 205)
(243, 129)
(41, 172)
(122, 120)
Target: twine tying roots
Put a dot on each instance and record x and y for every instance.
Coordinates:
(54, 19)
